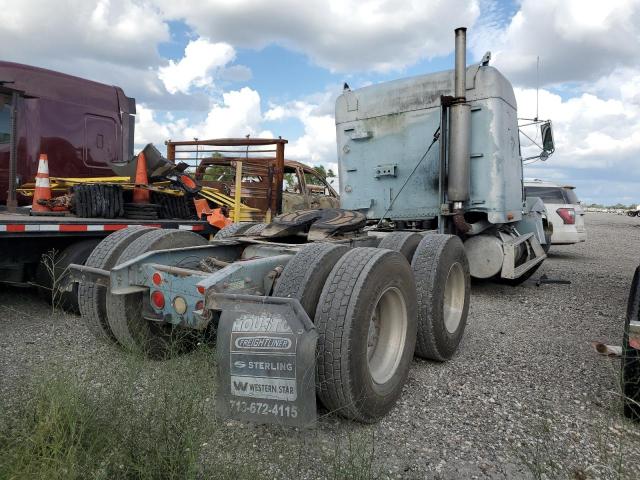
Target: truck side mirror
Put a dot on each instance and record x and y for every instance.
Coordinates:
(547, 139)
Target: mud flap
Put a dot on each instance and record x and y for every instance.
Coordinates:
(266, 351)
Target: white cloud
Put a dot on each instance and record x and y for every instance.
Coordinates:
(342, 35)
(237, 115)
(622, 83)
(201, 59)
(597, 143)
(116, 31)
(109, 41)
(149, 129)
(317, 145)
(576, 40)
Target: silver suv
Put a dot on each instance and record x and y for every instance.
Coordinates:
(564, 210)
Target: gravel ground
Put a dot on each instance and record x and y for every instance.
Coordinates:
(525, 397)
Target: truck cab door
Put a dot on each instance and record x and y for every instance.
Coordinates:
(101, 147)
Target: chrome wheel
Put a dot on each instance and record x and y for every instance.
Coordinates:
(387, 335)
(454, 296)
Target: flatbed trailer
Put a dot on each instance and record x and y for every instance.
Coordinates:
(26, 240)
(16, 225)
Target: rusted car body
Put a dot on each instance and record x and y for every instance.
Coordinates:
(85, 127)
(268, 181)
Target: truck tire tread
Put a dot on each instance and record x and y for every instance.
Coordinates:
(124, 312)
(92, 297)
(403, 242)
(433, 342)
(234, 229)
(343, 299)
(630, 378)
(255, 230)
(306, 273)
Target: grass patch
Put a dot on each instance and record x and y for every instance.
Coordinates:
(139, 419)
(121, 426)
(55, 434)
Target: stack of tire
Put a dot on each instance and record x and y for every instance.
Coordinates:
(174, 206)
(109, 201)
(98, 201)
(142, 211)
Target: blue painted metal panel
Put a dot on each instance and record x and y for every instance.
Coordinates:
(393, 123)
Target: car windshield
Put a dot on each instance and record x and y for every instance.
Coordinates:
(547, 194)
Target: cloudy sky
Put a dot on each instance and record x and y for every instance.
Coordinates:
(222, 68)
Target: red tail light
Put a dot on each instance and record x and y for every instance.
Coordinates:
(157, 298)
(568, 215)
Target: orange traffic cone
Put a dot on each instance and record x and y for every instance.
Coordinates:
(43, 186)
(141, 195)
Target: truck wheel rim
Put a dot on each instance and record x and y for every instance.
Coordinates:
(454, 296)
(387, 335)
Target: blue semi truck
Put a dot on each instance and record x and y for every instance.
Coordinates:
(333, 304)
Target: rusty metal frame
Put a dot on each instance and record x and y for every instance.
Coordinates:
(275, 167)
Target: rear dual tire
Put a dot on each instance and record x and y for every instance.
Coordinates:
(92, 298)
(125, 312)
(441, 271)
(366, 322)
(118, 318)
(370, 316)
(363, 304)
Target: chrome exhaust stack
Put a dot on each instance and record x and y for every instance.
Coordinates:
(460, 129)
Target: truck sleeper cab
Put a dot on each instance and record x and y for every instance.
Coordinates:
(383, 131)
(442, 151)
(85, 128)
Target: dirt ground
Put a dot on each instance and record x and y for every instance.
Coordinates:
(525, 396)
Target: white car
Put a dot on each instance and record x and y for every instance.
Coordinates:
(564, 210)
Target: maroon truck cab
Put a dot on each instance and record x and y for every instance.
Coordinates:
(86, 128)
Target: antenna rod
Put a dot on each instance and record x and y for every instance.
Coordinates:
(537, 83)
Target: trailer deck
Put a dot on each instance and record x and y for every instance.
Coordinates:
(23, 224)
